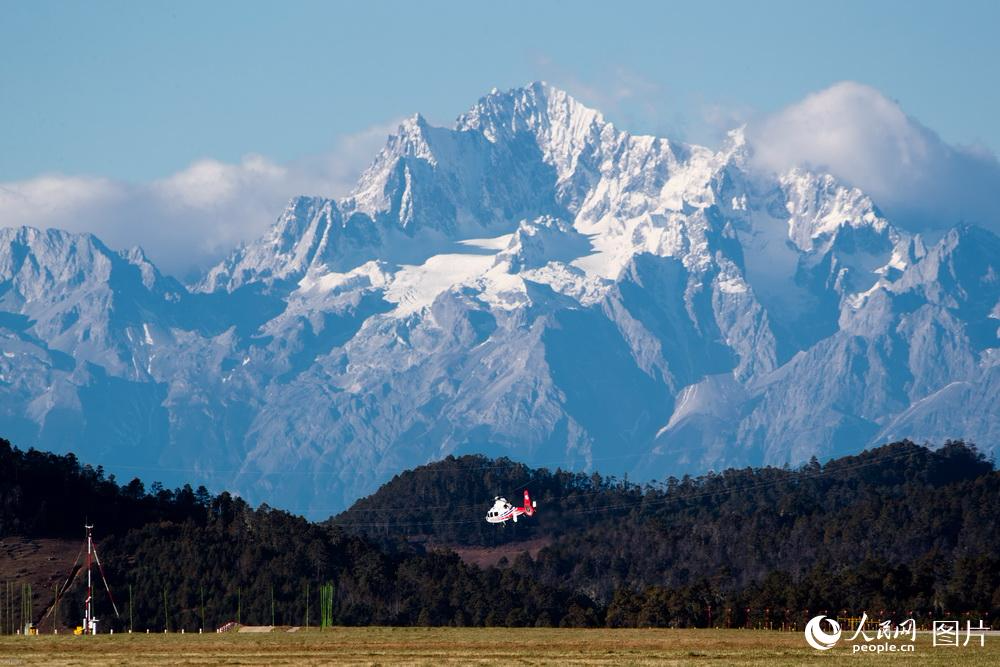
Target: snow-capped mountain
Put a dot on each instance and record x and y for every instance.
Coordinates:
(532, 282)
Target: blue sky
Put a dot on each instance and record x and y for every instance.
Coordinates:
(139, 90)
(184, 127)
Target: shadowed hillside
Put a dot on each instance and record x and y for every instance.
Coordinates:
(924, 514)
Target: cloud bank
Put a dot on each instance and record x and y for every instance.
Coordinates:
(857, 134)
(192, 218)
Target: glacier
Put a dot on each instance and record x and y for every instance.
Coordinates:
(532, 282)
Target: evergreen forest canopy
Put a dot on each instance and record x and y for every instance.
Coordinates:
(902, 528)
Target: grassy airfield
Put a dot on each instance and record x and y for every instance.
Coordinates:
(468, 646)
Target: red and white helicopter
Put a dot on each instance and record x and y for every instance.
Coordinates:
(502, 511)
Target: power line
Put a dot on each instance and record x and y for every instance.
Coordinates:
(418, 470)
(791, 477)
(518, 487)
(421, 469)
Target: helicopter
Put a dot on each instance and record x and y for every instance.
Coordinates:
(502, 511)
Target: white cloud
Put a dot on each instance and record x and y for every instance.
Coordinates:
(854, 132)
(191, 218)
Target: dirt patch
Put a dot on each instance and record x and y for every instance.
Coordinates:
(44, 564)
(256, 628)
(491, 556)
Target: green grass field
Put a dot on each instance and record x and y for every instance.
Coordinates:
(467, 646)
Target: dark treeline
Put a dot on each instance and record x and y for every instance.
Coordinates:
(47, 495)
(898, 505)
(187, 559)
(264, 565)
(902, 528)
(969, 588)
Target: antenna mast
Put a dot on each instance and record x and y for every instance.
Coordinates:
(89, 622)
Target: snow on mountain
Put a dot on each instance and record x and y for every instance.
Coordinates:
(532, 282)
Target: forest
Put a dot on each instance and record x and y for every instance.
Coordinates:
(902, 529)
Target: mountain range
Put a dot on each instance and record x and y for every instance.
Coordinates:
(532, 282)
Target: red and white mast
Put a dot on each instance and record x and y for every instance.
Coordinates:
(88, 614)
(89, 622)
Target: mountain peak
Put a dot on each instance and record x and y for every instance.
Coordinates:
(32, 235)
(285, 252)
(534, 279)
(50, 254)
(413, 127)
(537, 107)
(562, 128)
